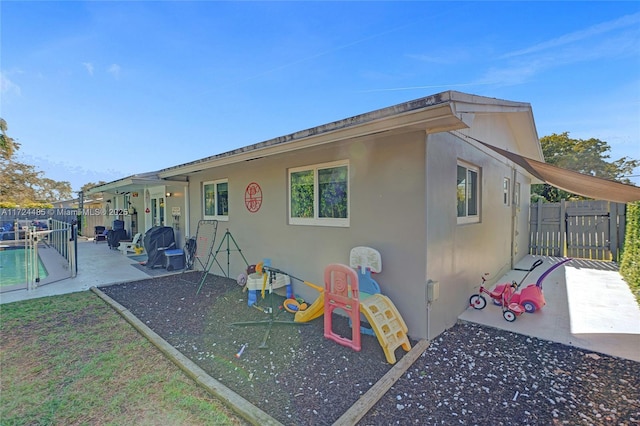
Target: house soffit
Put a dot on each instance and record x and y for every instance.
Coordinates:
(133, 184)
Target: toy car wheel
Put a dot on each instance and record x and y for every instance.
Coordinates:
(529, 307)
(509, 316)
(497, 302)
(477, 301)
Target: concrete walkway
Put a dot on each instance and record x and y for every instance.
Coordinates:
(589, 306)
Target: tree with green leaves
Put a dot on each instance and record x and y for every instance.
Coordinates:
(587, 156)
(21, 184)
(7, 145)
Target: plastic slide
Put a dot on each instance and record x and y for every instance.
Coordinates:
(314, 310)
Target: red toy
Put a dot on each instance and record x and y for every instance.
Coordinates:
(514, 303)
(501, 293)
(531, 297)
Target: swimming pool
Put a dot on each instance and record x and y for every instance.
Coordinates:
(12, 266)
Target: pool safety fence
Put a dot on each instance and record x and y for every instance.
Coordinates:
(61, 236)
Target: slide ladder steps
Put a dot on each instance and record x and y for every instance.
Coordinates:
(388, 325)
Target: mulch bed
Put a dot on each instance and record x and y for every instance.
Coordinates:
(468, 375)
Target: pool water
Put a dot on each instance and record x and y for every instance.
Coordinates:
(12, 267)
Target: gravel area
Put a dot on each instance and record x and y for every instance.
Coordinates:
(469, 375)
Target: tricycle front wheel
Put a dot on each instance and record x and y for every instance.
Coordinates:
(509, 315)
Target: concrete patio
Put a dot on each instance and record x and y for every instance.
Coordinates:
(589, 306)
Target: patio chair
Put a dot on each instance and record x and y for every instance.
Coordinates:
(100, 234)
(127, 247)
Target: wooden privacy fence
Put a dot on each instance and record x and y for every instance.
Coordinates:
(579, 229)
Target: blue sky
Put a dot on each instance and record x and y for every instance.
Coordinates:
(103, 90)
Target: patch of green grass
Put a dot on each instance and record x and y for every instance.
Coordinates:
(72, 360)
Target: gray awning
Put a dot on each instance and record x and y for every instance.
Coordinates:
(574, 182)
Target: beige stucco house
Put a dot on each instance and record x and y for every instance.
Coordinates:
(413, 181)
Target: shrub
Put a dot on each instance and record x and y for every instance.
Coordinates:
(630, 264)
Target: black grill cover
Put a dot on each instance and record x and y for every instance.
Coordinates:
(156, 241)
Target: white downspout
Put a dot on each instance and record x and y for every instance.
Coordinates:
(187, 211)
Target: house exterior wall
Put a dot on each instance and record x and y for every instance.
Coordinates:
(394, 181)
(175, 212)
(457, 254)
(402, 195)
(136, 222)
(387, 210)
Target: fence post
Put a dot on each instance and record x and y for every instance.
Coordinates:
(538, 225)
(74, 249)
(622, 226)
(616, 229)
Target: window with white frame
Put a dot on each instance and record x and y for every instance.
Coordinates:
(319, 194)
(468, 193)
(215, 199)
(506, 191)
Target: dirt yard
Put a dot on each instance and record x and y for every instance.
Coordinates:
(469, 375)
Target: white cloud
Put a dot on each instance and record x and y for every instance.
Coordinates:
(89, 67)
(576, 36)
(114, 70)
(512, 75)
(7, 86)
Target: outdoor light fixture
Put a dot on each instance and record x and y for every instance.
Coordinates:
(168, 194)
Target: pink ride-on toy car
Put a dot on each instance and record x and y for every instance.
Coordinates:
(531, 297)
(514, 303)
(501, 294)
